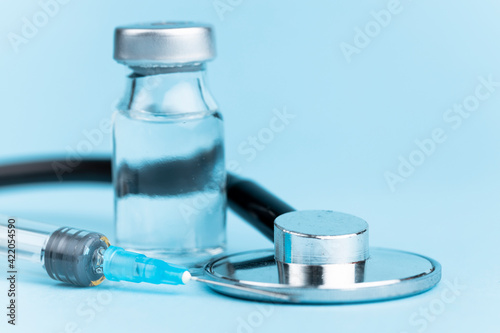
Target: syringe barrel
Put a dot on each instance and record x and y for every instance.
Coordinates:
(30, 238)
(66, 254)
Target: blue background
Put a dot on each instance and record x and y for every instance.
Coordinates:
(354, 117)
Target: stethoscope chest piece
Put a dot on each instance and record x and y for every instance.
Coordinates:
(322, 257)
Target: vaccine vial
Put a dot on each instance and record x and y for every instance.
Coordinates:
(168, 146)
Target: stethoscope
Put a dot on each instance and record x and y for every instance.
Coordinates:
(319, 256)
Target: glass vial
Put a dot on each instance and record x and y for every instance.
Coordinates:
(168, 160)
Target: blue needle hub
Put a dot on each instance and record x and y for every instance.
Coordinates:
(121, 265)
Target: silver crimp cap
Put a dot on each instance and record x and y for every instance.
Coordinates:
(163, 44)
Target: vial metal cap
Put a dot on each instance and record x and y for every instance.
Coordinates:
(320, 237)
(163, 44)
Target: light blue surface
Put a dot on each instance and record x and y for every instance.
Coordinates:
(348, 125)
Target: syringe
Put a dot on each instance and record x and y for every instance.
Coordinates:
(82, 258)
(86, 258)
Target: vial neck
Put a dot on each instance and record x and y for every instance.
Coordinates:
(158, 70)
(167, 90)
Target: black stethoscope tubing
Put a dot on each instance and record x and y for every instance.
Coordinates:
(246, 198)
